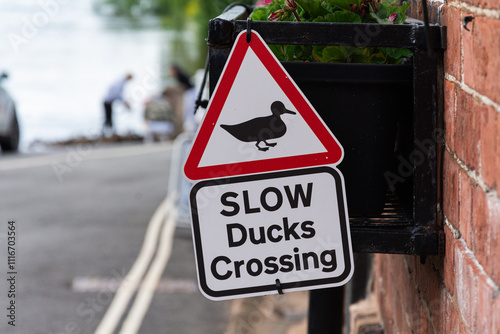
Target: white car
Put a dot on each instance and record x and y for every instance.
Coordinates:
(9, 127)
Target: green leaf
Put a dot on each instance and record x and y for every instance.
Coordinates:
(391, 2)
(311, 9)
(376, 17)
(317, 52)
(399, 10)
(259, 14)
(341, 4)
(333, 54)
(274, 6)
(343, 16)
(382, 12)
(289, 52)
(338, 11)
(359, 59)
(329, 7)
(278, 51)
(377, 60)
(402, 9)
(395, 55)
(396, 52)
(379, 20)
(354, 54)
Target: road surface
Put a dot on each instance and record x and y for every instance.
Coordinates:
(80, 216)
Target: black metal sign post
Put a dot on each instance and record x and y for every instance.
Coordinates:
(326, 311)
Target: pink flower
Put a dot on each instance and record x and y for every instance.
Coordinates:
(353, 7)
(276, 15)
(268, 1)
(392, 17)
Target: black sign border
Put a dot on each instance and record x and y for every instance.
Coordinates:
(346, 245)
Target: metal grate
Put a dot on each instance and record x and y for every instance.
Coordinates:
(392, 216)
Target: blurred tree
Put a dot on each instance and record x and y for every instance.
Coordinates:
(175, 14)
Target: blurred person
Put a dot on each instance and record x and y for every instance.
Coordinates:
(186, 99)
(181, 77)
(160, 117)
(115, 93)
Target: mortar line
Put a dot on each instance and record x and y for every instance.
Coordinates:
(486, 12)
(482, 98)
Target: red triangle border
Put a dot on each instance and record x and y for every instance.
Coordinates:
(334, 152)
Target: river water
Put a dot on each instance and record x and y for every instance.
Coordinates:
(62, 56)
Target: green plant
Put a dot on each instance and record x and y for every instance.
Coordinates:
(343, 11)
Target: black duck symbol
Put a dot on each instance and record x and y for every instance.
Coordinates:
(261, 129)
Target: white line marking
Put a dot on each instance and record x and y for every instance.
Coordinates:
(133, 278)
(133, 322)
(95, 284)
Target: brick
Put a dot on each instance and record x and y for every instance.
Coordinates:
(428, 281)
(489, 4)
(443, 320)
(434, 13)
(403, 280)
(461, 328)
(475, 293)
(481, 229)
(384, 295)
(481, 62)
(453, 322)
(467, 130)
(465, 284)
(449, 316)
(465, 207)
(449, 263)
(483, 312)
(392, 290)
(450, 189)
(424, 322)
(413, 303)
(413, 11)
(452, 19)
(410, 265)
(496, 311)
(449, 113)
(416, 11)
(498, 155)
(494, 241)
(437, 311)
(489, 150)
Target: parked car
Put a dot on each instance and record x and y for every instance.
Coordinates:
(9, 126)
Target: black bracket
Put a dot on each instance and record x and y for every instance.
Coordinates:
(467, 20)
(249, 29)
(278, 287)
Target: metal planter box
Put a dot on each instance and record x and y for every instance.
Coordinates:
(362, 105)
(405, 220)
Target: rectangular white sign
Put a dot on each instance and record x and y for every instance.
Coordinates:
(268, 233)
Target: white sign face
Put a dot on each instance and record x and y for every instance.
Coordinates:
(260, 234)
(240, 107)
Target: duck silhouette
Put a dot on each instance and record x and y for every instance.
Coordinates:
(261, 129)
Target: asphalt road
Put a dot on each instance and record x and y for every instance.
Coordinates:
(80, 217)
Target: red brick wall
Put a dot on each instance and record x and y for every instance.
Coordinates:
(458, 292)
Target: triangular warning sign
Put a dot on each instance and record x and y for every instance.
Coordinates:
(258, 120)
